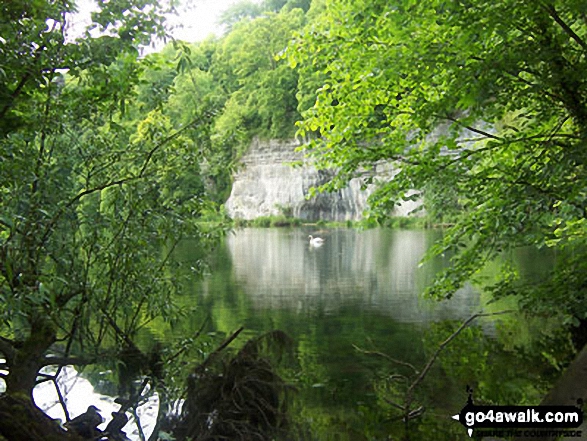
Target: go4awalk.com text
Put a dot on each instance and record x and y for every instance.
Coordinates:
(514, 419)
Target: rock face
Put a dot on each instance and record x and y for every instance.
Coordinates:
(267, 184)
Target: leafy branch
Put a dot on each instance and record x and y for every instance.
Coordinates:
(408, 413)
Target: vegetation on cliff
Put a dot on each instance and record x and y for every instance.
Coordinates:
(108, 159)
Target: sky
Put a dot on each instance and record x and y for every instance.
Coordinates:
(197, 19)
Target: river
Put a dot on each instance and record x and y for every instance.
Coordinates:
(352, 306)
(363, 291)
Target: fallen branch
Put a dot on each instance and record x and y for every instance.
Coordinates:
(444, 344)
(387, 357)
(219, 349)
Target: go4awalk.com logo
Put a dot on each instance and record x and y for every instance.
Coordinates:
(544, 420)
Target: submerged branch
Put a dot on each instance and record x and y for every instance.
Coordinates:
(387, 357)
(443, 345)
(219, 349)
(394, 404)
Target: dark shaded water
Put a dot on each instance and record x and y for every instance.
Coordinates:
(364, 289)
(361, 291)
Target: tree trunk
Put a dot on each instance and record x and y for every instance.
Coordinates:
(27, 360)
(21, 420)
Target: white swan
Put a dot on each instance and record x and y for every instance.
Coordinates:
(316, 241)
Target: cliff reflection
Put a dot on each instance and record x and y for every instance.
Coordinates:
(373, 270)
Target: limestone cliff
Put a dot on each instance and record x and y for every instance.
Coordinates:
(267, 184)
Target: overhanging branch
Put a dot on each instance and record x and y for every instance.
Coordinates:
(565, 27)
(443, 345)
(470, 128)
(387, 357)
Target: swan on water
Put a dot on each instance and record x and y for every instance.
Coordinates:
(316, 241)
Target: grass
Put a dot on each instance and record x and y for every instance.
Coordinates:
(286, 221)
(267, 222)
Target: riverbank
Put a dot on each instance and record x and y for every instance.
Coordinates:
(285, 221)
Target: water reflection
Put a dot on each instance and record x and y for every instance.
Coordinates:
(374, 269)
(360, 288)
(78, 393)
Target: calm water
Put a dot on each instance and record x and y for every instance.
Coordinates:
(355, 275)
(360, 288)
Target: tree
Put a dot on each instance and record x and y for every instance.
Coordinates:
(197, 96)
(91, 207)
(483, 102)
(239, 11)
(262, 87)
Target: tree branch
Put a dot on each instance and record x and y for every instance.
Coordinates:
(387, 357)
(182, 350)
(61, 399)
(219, 349)
(161, 266)
(516, 74)
(121, 181)
(470, 128)
(444, 344)
(66, 361)
(29, 73)
(10, 226)
(80, 195)
(163, 142)
(566, 28)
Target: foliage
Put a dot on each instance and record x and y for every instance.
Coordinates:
(229, 90)
(239, 11)
(483, 102)
(479, 362)
(262, 88)
(269, 221)
(93, 205)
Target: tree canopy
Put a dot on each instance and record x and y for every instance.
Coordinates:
(481, 105)
(92, 208)
(108, 159)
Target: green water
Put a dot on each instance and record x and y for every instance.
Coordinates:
(364, 288)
